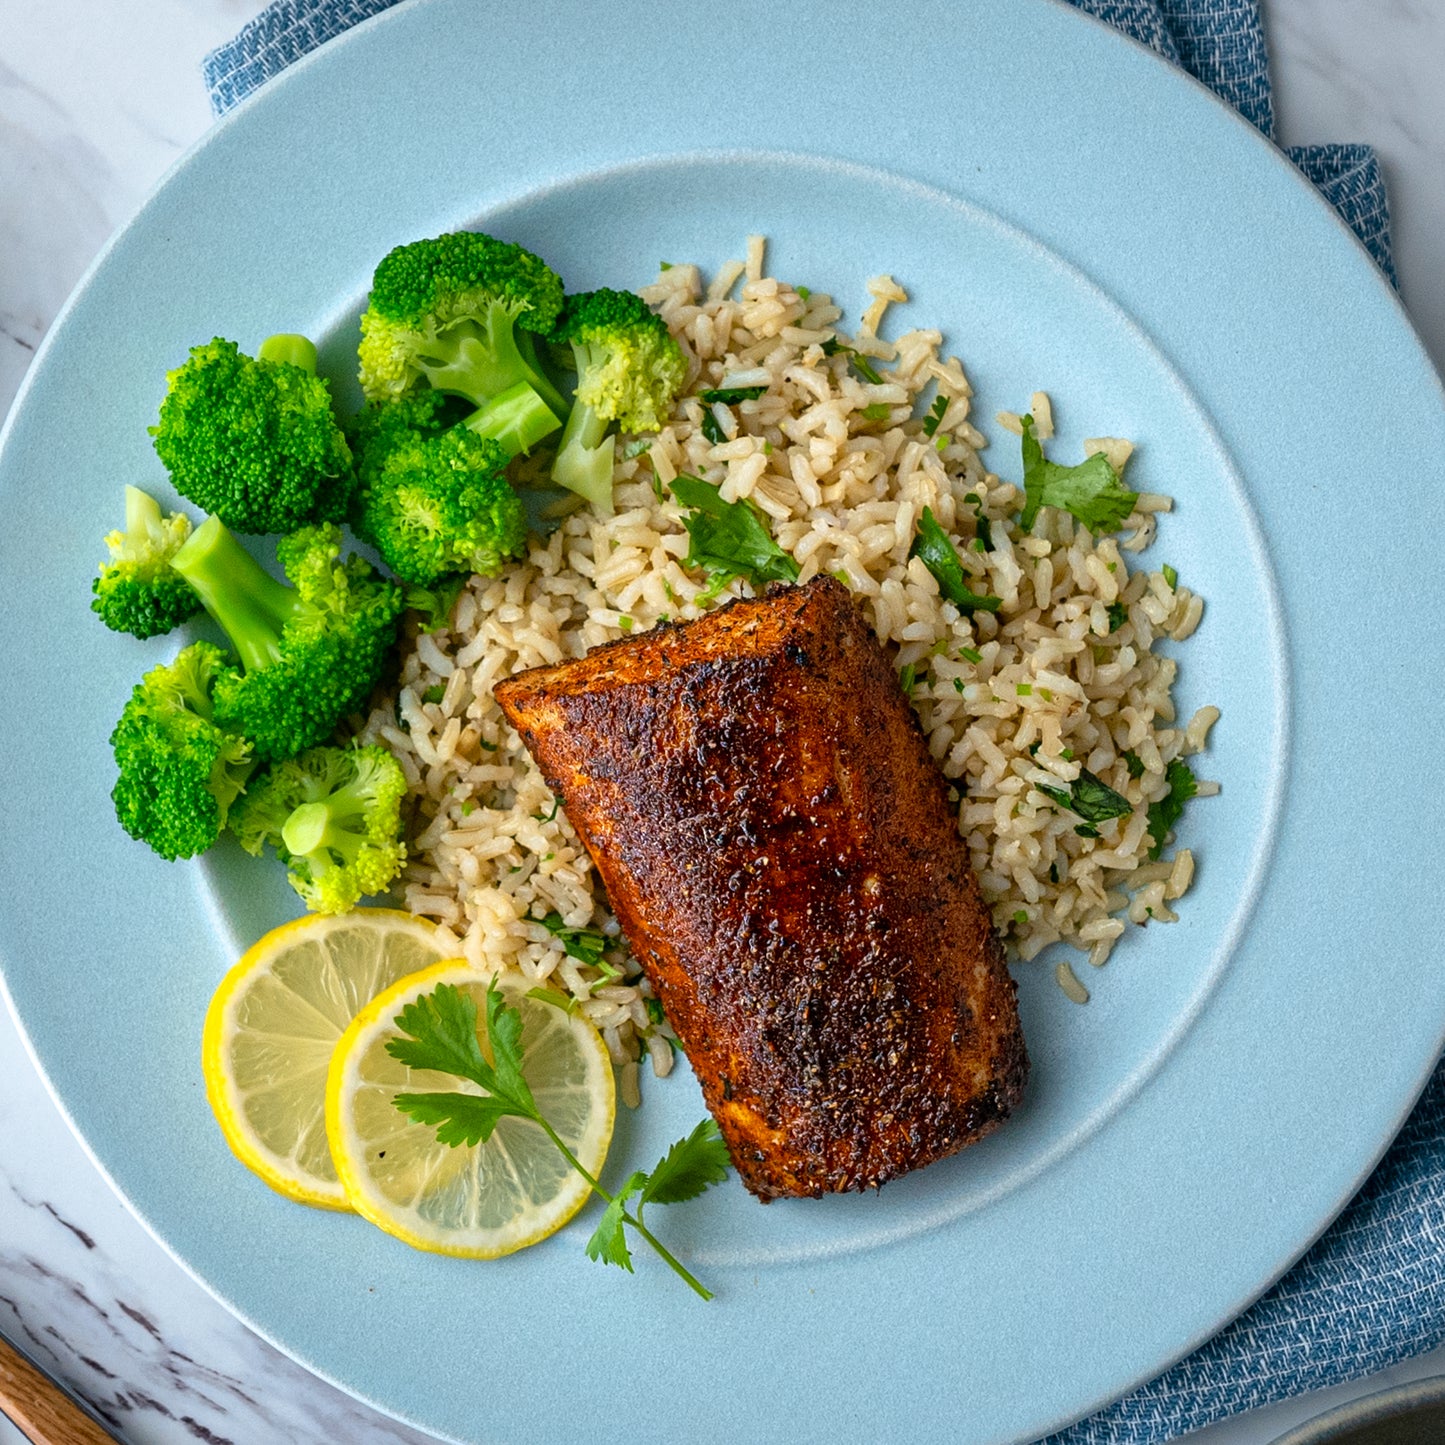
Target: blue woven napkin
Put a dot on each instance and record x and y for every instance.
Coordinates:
(1371, 1292)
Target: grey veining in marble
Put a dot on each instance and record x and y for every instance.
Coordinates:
(1370, 70)
(97, 99)
(92, 1300)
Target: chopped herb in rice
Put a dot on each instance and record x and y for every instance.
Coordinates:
(1050, 623)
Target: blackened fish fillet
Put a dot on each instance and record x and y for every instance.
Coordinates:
(779, 848)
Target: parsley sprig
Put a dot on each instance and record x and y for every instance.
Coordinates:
(729, 539)
(1164, 814)
(1091, 798)
(440, 1033)
(860, 363)
(690, 1166)
(1090, 492)
(933, 547)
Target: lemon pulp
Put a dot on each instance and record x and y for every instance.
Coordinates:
(498, 1196)
(273, 1025)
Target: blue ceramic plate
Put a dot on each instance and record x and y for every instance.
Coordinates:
(1076, 217)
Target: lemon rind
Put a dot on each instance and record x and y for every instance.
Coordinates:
(352, 1177)
(223, 1102)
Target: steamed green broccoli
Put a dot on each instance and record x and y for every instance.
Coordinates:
(180, 772)
(459, 313)
(334, 817)
(137, 590)
(254, 441)
(629, 369)
(516, 419)
(311, 652)
(380, 427)
(432, 605)
(437, 504)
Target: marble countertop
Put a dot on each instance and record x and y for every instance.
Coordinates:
(97, 99)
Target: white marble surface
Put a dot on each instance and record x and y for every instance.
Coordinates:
(97, 98)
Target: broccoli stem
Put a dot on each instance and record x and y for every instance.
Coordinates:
(527, 345)
(313, 831)
(142, 515)
(335, 824)
(516, 420)
(585, 457)
(481, 359)
(248, 604)
(298, 351)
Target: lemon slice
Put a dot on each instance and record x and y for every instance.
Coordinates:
(273, 1024)
(482, 1201)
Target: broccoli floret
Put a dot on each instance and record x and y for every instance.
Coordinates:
(379, 428)
(629, 369)
(334, 816)
(311, 652)
(459, 313)
(254, 440)
(439, 504)
(137, 590)
(179, 771)
(433, 606)
(516, 420)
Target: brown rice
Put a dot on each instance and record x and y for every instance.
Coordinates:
(1008, 701)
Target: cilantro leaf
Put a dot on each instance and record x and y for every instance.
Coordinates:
(1095, 801)
(1134, 763)
(458, 1118)
(688, 1168)
(586, 945)
(933, 547)
(440, 1032)
(1118, 615)
(876, 411)
(729, 539)
(1164, 814)
(983, 528)
(1090, 798)
(935, 415)
(504, 1033)
(731, 395)
(861, 364)
(608, 1244)
(442, 1029)
(1090, 492)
